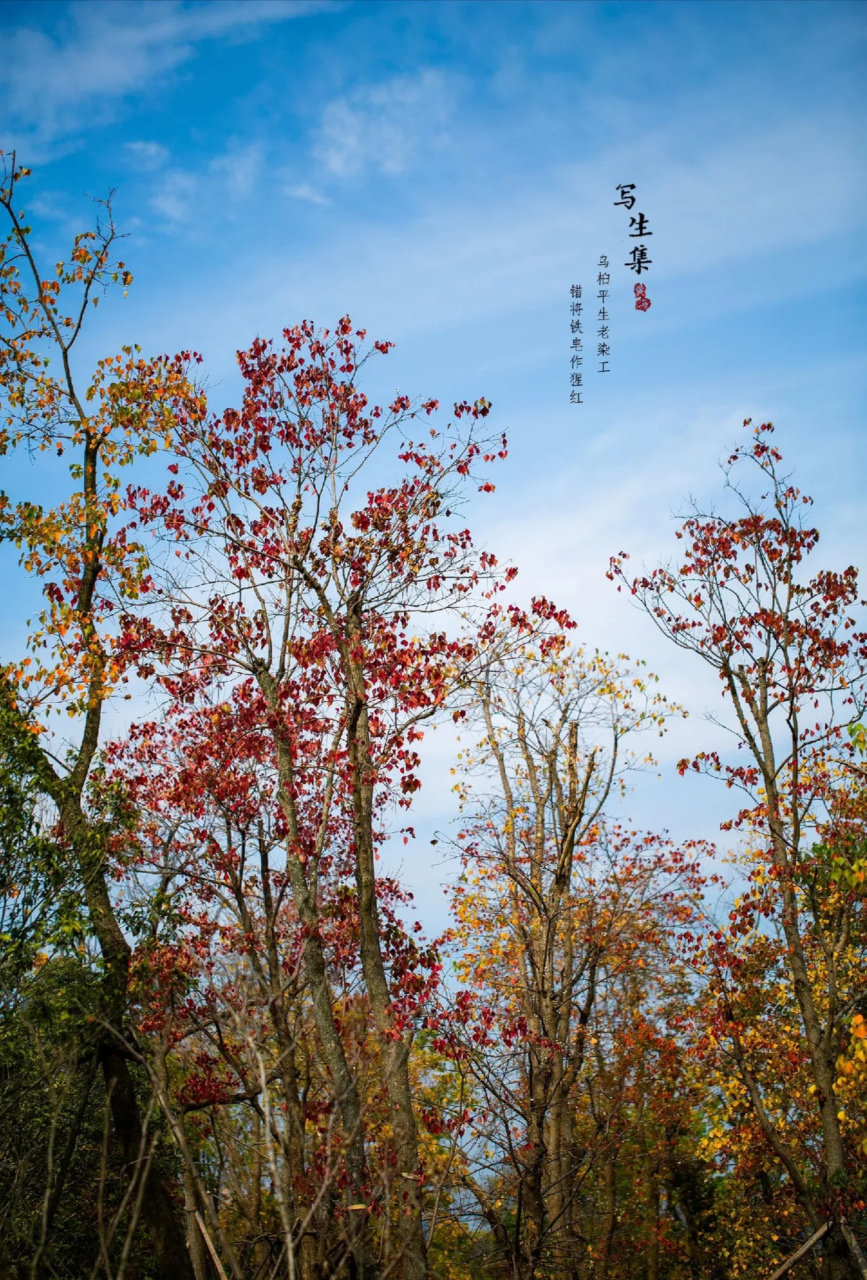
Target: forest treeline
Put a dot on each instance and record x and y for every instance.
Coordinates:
(227, 1052)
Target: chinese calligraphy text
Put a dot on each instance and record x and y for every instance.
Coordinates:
(639, 259)
(576, 377)
(603, 333)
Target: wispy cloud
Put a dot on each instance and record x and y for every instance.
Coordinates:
(99, 52)
(303, 191)
(385, 126)
(231, 177)
(147, 155)
(238, 169)
(175, 195)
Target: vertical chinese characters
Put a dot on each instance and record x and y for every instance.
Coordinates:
(576, 377)
(603, 332)
(639, 229)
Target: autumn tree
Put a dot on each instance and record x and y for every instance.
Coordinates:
(560, 914)
(223, 1005)
(292, 572)
(792, 664)
(79, 554)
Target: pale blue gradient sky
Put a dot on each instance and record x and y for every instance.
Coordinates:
(444, 171)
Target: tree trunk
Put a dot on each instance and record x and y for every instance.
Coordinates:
(157, 1210)
(610, 1214)
(304, 895)
(195, 1241)
(536, 1163)
(651, 1192)
(394, 1051)
(335, 1059)
(394, 1044)
(837, 1260)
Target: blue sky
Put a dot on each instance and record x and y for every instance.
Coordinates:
(444, 172)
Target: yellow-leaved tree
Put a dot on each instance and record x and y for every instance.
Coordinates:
(78, 549)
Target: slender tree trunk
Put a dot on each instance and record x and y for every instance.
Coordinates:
(335, 1059)
(537, 1160)
(157, 1210)
(195, 1241)
(561, 1181)
(651, 1197)
(305, 897)
(394, 1043)
(394, 1051)
(610, 1228)
(555, 1187)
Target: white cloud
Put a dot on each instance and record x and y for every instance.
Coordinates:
(385, 126)
(305, 192)
(175, 194)
(147, 155)
(238, 169)
(100, 51)
(229, 178)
